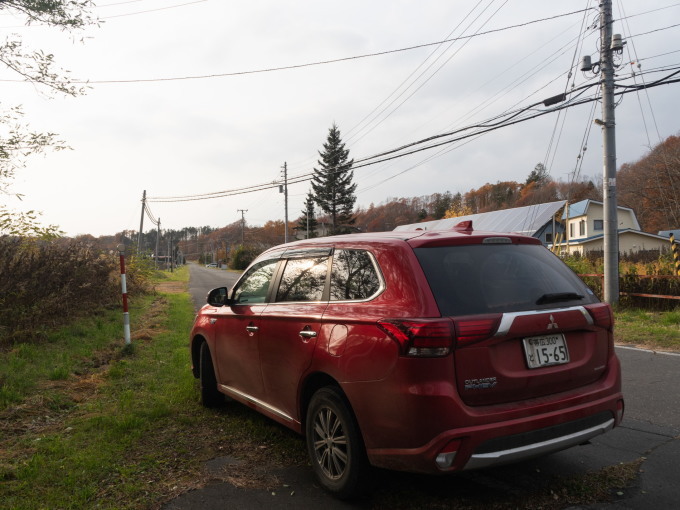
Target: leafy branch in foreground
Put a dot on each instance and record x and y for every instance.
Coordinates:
(17, 141)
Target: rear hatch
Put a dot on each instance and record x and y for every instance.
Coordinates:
(525, 325)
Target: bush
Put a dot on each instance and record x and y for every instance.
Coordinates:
(242, 256)
(648, 272)
(46, 283)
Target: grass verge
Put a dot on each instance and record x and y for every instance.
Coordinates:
(87, 422)
(658, 331)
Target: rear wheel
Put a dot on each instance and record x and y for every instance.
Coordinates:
(210, 396)
(334, 444)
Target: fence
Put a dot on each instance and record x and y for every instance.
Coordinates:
(634, 285)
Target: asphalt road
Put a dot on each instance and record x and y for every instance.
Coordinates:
(203, 279)
(650, 430)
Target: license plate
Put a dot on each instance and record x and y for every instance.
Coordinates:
(546, 350)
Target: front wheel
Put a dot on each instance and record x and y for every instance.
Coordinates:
(334, 444)
(210, 395)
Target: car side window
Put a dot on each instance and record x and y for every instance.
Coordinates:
(254, 286)
(354, 276)
(303, 279)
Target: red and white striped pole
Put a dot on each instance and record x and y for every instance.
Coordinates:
(126, 315)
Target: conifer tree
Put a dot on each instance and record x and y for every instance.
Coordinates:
(307, 223)
(332, 183)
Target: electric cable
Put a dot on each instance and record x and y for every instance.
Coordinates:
(398, 152)
(322, 62)
(426, 80)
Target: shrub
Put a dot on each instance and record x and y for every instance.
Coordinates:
(46, 283)
(242, 256)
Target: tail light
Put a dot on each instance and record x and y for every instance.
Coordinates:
(422, 338)
(469, 331)
(602, 315)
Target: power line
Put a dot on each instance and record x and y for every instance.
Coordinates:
(375, 117)
(328, 61)
(464, 133)
(149, 10)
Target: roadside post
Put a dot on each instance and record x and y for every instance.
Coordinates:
(674, 248)
(126, 315)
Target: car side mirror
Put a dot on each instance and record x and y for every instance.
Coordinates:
(219, 297)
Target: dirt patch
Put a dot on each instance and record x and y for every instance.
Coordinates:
(171, 287)
(53, 401)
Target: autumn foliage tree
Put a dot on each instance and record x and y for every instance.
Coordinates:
(650, 186)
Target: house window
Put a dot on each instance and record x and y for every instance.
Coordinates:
(571, 230)
(582, 227)
(597, 225)
(548, 237)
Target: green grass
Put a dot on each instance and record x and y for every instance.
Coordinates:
(648, 329)
(179, 274)
(80, 431)
(86, 421)
(65, 353)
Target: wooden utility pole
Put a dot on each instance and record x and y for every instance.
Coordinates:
(285, 201)
(243, 225)
(141, 224)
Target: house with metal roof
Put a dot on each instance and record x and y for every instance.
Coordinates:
(578, 228)
(533, 220)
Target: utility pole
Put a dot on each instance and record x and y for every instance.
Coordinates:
(141, 224)
(243, 225)
(158, 238)
(608, 46)
(284, 189)
(172, 254)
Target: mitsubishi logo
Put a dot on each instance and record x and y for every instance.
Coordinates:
(552, 324)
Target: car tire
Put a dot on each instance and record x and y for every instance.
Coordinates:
(335, 446)
(210, 395)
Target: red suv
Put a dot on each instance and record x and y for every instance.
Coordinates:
(421, 351)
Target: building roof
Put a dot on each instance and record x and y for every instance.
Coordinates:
(667, 233)
(581, 209)
(523, 220)
(621, 231)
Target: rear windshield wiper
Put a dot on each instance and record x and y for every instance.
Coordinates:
(558, 296)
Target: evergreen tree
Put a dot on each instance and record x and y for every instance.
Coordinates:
(332, 183)
(307, 222)
(539, 175)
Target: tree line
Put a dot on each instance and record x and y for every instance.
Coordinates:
(647, 186)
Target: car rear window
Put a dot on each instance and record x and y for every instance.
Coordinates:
(475, 279)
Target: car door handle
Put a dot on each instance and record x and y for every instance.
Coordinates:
(307, 333)
(252, 329)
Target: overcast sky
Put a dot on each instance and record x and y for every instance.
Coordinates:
(148, 123)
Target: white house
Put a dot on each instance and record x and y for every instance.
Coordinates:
(585, 230)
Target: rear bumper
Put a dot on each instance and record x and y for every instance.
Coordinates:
(483, 458)
(505, 442)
